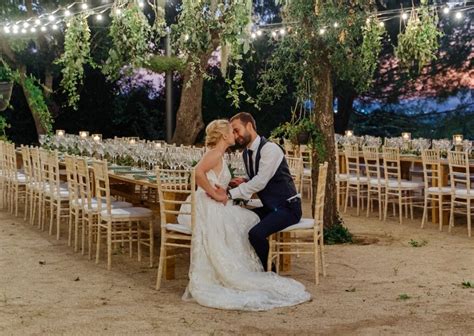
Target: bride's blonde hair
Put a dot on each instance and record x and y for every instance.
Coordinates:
(215, 131)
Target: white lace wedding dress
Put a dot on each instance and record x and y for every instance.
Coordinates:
(225, 271)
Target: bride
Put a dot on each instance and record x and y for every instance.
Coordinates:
(225, 271)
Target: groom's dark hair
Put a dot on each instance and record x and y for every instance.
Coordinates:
(245, 118)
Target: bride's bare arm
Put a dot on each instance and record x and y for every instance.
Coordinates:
(209, 161)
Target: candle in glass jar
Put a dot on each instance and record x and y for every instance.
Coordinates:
(97, 137)
(158, 145)
(132, 141)
(457, 139)
(406, 136)
(349, 133)
(60, 133)
(83, 134)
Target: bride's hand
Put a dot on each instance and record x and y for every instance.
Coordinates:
(221, 195)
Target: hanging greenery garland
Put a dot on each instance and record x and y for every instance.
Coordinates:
(418, 44)
(38, 104)
(130, 33)
(76, 56)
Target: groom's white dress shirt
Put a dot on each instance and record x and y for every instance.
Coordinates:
(271, 157)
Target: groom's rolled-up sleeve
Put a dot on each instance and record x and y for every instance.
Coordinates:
(271, 157)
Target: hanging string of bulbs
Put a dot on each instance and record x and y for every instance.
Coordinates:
(52, 21)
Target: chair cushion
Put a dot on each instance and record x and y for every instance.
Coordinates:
(304, 223)
(124, 213)
(341, 177)
(179, 228)
(355, 179)
(463, 192)
(255, 203)
(95, 205)
(404, 184)
(307, 172)
(439, 190)
(375, 182)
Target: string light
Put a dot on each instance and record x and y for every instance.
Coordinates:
(382, 24)
(259, 32)
(26, 25)
(274, 34)
(404, 16)
(55, 27)
(282, 31)
(458, 15)
(23, 31)
(67, 13)
(141, 4)
(186, 37)
(33, 29)
(37, 22)
(6, 30)
(446, 10)
(118, 11)
(322, 31)
(43, 29)
(336, 24)
(99, 17)
(51, 18)
(253, 36)
(84, 6)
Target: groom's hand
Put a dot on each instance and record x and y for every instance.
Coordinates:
(235, 182)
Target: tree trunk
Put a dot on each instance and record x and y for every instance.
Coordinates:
(324, 118)
(39, 127)
(189, 116)
(345, 107)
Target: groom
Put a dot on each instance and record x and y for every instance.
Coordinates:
(269, 177)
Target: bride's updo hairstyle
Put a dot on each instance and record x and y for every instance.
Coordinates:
(215, 131)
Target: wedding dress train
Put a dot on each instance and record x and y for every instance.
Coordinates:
(225, 272)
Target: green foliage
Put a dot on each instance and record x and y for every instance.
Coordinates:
(130, 33)
(205, 25)
(404, 297)
(76, 55)
(337, 233)
(291, 130)
(6, 73)
(38, 104)
(418, 43)
(161, 64)
(415, 243)
(3, 125)
(467, 284)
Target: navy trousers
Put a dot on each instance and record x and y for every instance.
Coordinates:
(271, 221)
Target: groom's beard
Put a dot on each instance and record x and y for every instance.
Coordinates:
(243, 141)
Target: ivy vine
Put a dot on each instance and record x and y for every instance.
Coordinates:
(130, 33)
(418, 44)
(76, 55)
(37, 103)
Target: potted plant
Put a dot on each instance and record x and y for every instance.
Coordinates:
(6, 85)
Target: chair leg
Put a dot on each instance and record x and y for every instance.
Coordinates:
(469, 217)
(425, 211)
(440, 212)
(316, 260)
(152, 243)
(76, 231)
(400, 206)
(162, 259)
(97, 252)
(109, 245)
(385, 207)
(69, 237)
(451, 215)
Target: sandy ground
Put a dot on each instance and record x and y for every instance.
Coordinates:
(46, 288)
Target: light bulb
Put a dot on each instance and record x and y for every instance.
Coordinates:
(259, 32)
(186, 37)
(51, 18)
(43, 29)
(458, 15)
(336, 24)
(274, 34)
(84, 6)
(282, 31)
(381, 24)
(253, 35)
(23, 31)
(67, 13)
(33, 29)
(37, 22)
(26, 25)
(141, 4)
(404, 16)
(446, 10)
(99, 17)
(118, 11)
(322, 31)
(55, 27)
